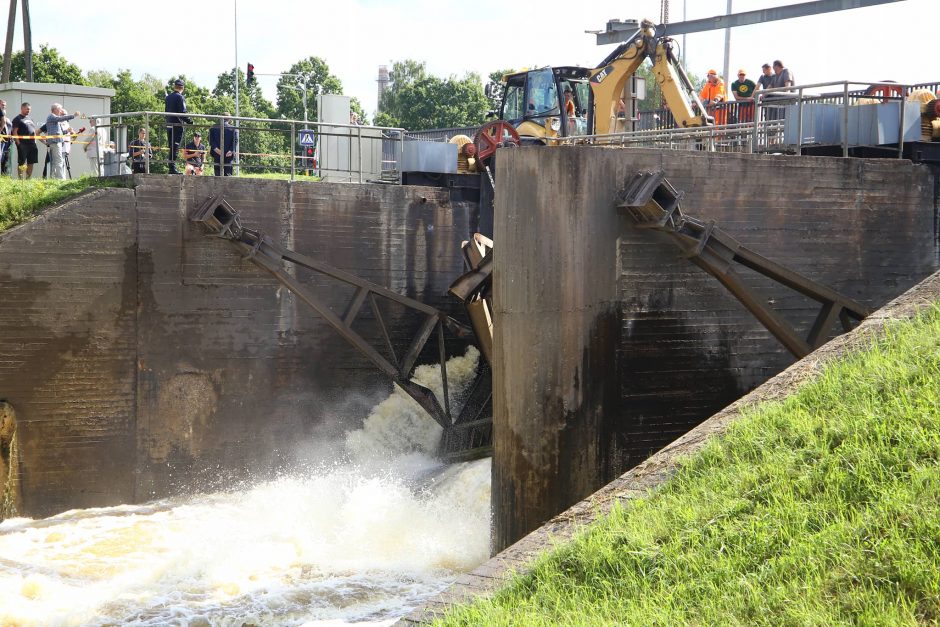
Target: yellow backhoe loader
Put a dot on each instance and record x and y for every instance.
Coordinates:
(536, 102)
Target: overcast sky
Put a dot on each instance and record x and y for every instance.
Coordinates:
(171, 37)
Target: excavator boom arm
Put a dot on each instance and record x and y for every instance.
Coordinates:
(608, 80)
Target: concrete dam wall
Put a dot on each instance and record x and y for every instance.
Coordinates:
(608, 344)
(144, 359)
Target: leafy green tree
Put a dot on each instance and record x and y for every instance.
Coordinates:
(415, 100)
(250, 97)
(319, 81)
(434, 102)
(404, 74)
(48, 67)
(129, 94)
(496, 78)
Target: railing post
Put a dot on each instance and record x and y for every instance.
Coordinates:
(359, 141)
(845, 119)
(146, 149)
(221, 160)
(293, 148)
(401, 155)
(755, 138)
(799, 122)
(901, 123)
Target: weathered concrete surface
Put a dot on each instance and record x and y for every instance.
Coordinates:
(608, 345)
(656, 470)
(68, 349)
(144, 359)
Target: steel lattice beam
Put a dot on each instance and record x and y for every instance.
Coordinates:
(618, 31)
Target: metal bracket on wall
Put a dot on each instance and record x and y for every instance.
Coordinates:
(653, 203)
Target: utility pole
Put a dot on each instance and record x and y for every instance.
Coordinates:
(682, 59)
(728, 55)
(27, 41)
(237, 107)
(8, 49)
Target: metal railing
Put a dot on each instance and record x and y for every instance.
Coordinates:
(442, 134)
(264, 147)
(788, 120)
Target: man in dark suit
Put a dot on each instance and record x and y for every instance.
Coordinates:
(222, 145)
(175, 103)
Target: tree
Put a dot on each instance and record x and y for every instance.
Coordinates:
(433, 102)
(416, 100)
(129, 94)
(318, 81)
(48, 67)
(252, 103)
(403, 75)
(496, 78)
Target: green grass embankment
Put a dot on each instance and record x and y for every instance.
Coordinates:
(823, 509)
(20, 200)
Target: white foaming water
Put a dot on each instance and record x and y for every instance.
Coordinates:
(398, 427)
(347, 544)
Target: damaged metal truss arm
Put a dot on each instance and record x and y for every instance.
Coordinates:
(221, 220)
(653, 203)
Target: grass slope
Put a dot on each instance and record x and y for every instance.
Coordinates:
(20, 200)
(822, 509)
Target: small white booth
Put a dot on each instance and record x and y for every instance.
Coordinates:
(91, 101)
(347, 150)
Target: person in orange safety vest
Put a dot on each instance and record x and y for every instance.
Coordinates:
(713, 93)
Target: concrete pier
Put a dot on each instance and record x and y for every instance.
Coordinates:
(609, 345)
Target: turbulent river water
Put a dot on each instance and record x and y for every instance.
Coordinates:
(361, 540)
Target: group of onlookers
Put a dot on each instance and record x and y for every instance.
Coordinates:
(713, 92)
(24, 133)
(223, 140)
(21, 131)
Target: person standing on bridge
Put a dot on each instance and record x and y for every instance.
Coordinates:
(24, 135)
(782, 76)
(766, 80)
(713, 95)
(56, 129)
(223, 144)
(743, 90)
(4, 140)
(175, 103)
(139, 152)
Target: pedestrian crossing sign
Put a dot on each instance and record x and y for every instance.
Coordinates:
(307, 137)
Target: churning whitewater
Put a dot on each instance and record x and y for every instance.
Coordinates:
(358, 541)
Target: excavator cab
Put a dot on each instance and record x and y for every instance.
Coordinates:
(534, 102)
